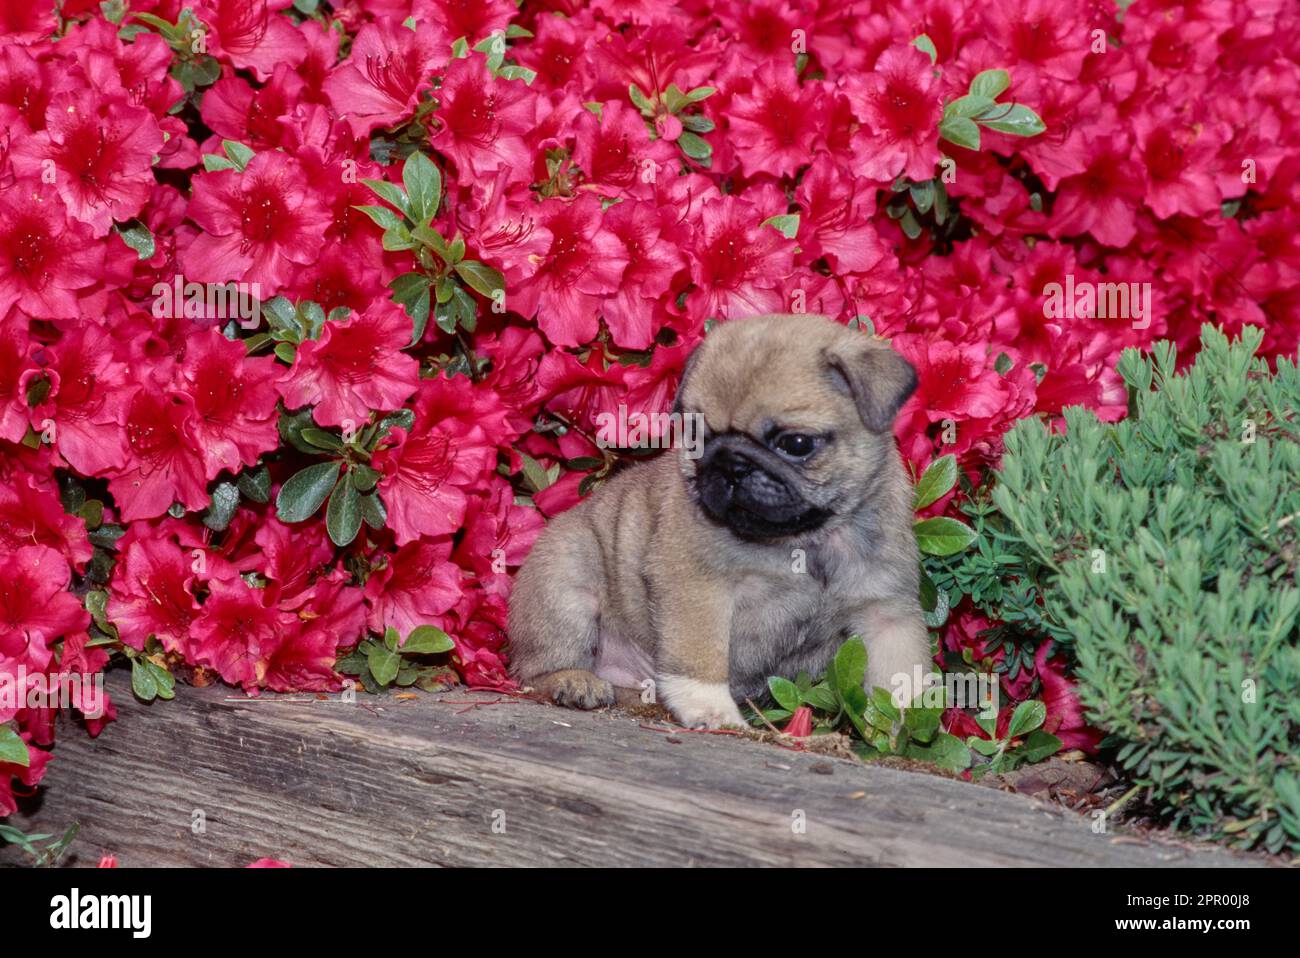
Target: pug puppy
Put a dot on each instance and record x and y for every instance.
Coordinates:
(707, 574)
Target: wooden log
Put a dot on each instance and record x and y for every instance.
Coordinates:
(434, 781)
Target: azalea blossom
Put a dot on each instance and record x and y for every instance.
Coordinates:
(258, 225)
(354, 367)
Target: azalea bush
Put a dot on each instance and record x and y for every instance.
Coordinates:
(1160, 553)
(308, 309)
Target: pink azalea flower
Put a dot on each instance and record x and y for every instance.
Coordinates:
(416, 587)
(101, 149)
(35, 606)
(251, 35)
(31, 513)
(234, 399)
(483, 119)
(86, 401)
(16, 364)
(257, 226)
(652, 264)
(426, 474)
(235, 632)
(584, 263)
(151, 593)
(773, 127)
(46, 257)
(900, 105)
(164, 462)
(379, 84)
(737, 262)
(838, 209)
(357, 365)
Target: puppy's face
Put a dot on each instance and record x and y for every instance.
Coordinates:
(798, 414)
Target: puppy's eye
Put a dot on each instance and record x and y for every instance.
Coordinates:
(796, 445)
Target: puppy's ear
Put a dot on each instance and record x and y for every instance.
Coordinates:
(878, 379)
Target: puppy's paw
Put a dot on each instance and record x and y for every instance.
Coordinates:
(575, 688)
(700, 704)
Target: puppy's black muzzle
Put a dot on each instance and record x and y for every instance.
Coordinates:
(752, 491)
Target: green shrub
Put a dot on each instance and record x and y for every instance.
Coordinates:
(1162, 552)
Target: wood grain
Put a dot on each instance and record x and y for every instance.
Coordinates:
(432, 781)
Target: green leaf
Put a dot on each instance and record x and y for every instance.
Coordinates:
(221, 508)
(947, 752)
(280, 313)
(1039, 745)
(990, 83)
(13, 749)
(423, 185)
(1027, 717)
(970, 106)
(164, 681)
(534, 474)
(144, 683)
(850, 665)
(923, 723)
(343, 516)
(911, 225)
(137, 236)
(397, 239)
(694, 147)
(306, 491)
(292, 424)
(363, 478)
(936, 482)
(926, 46)
(214, 163)
(390, 192)
(943, 536)
(398, 419)
(255, 484)
(238, 153)
(962, 131)
(428, 640)
(922, 195)
(412, 291)
(383, 663)
(513, 71)
(382, 217)
(1017, 120)
(701, 93)
(821, 698)
(322, 439)
(786, 224)
(373, 511)
(785, 692)
(697, 123)
(483, 279)
(639, 99)
(929, 592)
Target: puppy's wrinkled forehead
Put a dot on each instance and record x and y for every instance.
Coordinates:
(751, 374)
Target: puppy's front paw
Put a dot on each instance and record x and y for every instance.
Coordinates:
(700, 704)
(576, 688)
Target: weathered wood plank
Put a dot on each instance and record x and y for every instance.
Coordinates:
(424, 782)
